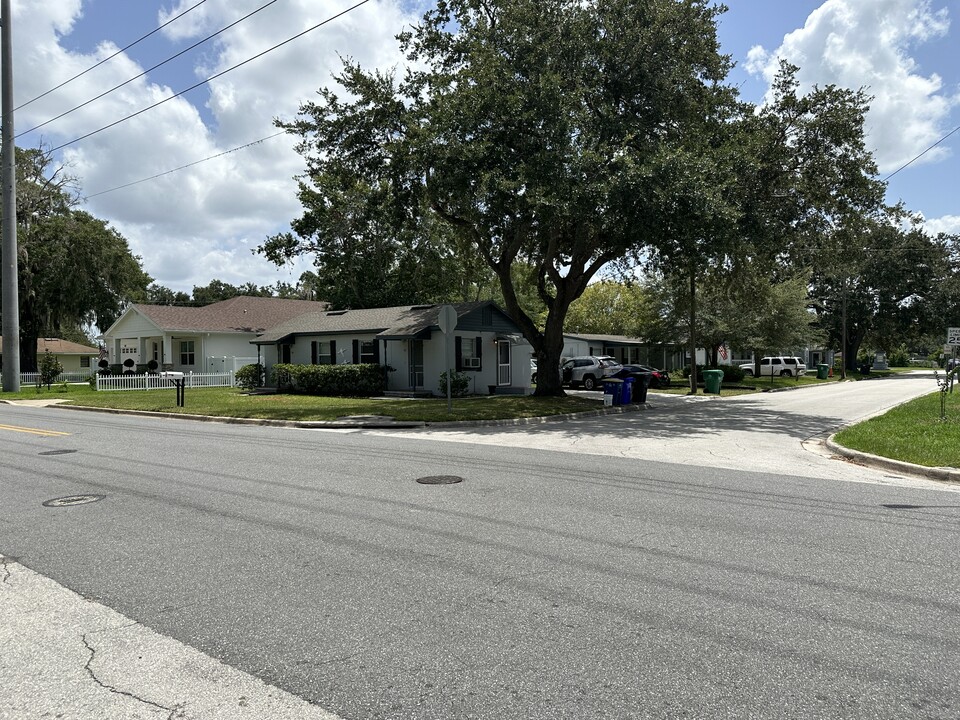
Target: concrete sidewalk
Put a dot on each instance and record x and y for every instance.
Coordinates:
(67, 657)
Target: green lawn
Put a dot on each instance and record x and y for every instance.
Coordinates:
(232, 402)
(912, 432)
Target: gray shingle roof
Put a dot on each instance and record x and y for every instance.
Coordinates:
(405, 321)
(241, 314)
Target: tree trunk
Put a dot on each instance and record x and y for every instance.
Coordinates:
(548, 351)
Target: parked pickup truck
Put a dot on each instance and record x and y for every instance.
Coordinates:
(776, 365)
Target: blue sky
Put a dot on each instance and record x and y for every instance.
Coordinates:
(199, 224)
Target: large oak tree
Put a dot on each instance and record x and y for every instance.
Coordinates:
(563, 134)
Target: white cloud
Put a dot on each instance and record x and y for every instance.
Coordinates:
(949, 224)
(200, 223)
(867, 44)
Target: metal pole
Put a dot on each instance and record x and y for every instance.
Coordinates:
(8, 174)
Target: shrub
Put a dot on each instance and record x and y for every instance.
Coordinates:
(459, 384)
(354, 380)
(250, 376)
(49, 368)
(282, 376)
(152, 366)
(899, 357)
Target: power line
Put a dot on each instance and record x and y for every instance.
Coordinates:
(921, 154)
(107, 59)
(212, 77)
(137, 77)
(184, 167)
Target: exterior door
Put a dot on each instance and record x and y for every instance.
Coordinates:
(416, 364)
(503, 362)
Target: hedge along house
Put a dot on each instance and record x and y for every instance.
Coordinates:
(407, 341)
(212, 338)
(74, 357)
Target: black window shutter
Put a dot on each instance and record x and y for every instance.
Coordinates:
(376, 351)
(313, 352)
(356, 352)
(333, 352)
(478, 349)
(458, 353)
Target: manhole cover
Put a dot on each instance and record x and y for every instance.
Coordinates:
(899, 506)
(71, 500)
(57, 452)
(439, 480)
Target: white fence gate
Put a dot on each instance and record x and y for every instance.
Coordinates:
(157, 382)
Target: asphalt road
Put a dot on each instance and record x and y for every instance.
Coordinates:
(629, 567)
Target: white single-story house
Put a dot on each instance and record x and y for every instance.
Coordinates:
(74, 357)
(627, 350)
(212, 338)
(407, 340)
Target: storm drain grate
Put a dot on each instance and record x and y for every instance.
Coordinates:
(71, 500)
(57, 452)
(440, 480)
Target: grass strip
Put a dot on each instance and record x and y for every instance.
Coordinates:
(912, 432)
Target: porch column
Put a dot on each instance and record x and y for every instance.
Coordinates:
(166, 353)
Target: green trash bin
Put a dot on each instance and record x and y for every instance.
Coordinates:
(712, 380)
(823, 372)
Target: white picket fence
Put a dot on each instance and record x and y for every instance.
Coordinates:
(157, 382)
(29, 378)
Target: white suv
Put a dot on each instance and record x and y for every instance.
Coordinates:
(777, 365)
(588, 370)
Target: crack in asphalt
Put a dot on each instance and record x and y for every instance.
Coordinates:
(5, 563)
(172, 712)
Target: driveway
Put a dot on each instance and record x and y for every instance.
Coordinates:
(777, 432)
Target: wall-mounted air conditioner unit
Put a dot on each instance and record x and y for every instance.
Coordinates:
(471, 362)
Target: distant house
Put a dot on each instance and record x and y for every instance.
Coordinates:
(211, 338)
(487, 345)
(74, 357)
(627, 350)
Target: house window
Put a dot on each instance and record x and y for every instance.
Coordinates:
(324, 353)
(368, 351)
(84, 361)
(468, 354)
(187, 356)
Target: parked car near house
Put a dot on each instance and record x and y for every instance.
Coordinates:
(777, 365)
(658, 378)
(588, 370)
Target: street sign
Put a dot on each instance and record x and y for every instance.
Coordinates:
(448, 319)
(953, 336)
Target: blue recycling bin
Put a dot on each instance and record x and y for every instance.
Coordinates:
(626, 396)
(614, 388)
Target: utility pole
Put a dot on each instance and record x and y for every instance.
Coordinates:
(9, 277)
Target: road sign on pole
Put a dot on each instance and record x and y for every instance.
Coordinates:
(447, 321)
(953, 336)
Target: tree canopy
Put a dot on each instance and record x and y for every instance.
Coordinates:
(74, 270)
(547, 132)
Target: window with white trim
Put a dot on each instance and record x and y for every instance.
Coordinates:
(468, 354)
(187, 353)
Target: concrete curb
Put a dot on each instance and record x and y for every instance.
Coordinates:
(946, 474)
(363, 422)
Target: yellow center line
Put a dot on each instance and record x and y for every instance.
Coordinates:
(34, 431)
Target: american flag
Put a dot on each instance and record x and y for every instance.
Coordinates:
(103, 352)
(723, 351)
